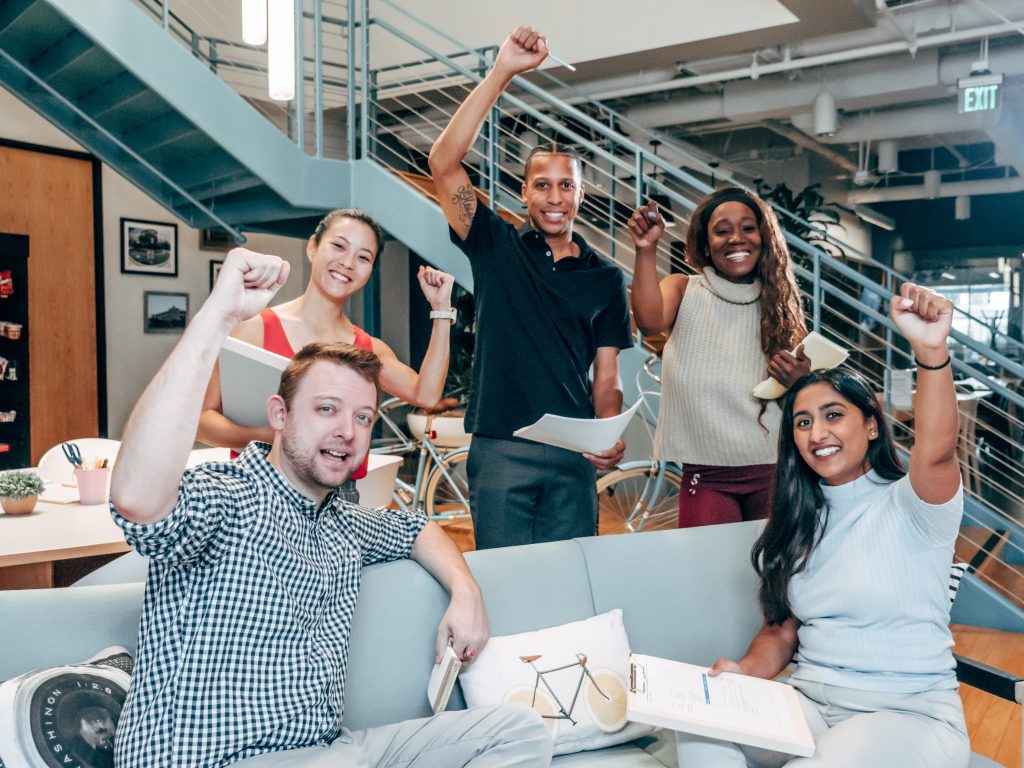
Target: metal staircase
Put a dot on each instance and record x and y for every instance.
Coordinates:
(176, 105)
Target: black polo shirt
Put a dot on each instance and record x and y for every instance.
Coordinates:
(539, 323)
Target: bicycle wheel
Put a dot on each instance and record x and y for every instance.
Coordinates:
(625, 504)
(606, 701)
(538, 700)
(447, 490)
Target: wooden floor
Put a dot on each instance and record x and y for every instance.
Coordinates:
(993, 725)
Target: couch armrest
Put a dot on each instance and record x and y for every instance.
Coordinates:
(989, 679)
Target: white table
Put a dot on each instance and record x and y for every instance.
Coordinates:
(30, 544)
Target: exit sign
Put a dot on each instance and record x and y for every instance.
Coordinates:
(981, 93)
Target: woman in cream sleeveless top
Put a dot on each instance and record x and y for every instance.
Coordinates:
(729, 327)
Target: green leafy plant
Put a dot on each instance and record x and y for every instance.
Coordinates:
(811, 216)
(20, 484)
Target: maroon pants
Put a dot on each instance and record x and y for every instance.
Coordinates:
(713, 495)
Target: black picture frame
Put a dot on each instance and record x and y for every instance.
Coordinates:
(215, 239)
(164, 312)
(215, 265)
(149, 247)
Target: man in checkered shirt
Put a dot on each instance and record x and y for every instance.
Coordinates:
(255, 568)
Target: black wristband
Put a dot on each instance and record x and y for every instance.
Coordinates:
(919, 364)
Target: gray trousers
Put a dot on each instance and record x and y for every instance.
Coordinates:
(505, 736)
(524, 493)
(854, 729)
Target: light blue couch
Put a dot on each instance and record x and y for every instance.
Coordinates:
(687, 595)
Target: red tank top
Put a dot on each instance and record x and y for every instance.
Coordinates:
(275, 340)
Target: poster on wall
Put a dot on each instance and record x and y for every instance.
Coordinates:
(149, 247)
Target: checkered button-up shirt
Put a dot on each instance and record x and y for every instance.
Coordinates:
(245, 625)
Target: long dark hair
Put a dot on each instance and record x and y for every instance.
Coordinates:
(782, 316)
(799, 512)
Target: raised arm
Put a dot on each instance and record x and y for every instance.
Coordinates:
(423, 388)
(655, 304)
(925, 319)
(160, 433)
(522, 51)
(769, 652)
(464, 624)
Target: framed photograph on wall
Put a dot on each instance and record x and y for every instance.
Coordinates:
(215, 239)
(215, 265)
(149, 247)
(164, 312)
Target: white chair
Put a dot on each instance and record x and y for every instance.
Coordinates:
(202, 455)
(54, 466)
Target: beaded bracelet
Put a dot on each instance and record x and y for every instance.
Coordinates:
(919, 364)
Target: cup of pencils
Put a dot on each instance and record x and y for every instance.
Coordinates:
(92, 480)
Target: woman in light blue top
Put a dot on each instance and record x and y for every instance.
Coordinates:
(854, 565)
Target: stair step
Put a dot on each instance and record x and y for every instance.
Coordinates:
(64, 54)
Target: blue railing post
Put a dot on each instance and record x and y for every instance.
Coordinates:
(318, 74)
(639, 178)
(816, 294)
(611, 192)
(364, 80)
(350, 85)
(300, 76)
(165, 12)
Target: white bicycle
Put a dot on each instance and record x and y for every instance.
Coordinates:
(641, 495)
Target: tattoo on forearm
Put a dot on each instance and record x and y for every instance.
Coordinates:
(465, 198)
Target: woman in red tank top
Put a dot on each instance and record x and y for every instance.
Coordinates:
(343, 251)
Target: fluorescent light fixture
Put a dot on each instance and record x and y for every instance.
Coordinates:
(281, 49)
(949, 275)
(254, 21)
(871, 216)
(993, 274)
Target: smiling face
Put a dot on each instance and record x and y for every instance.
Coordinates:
(343, 259)
(325, 434)
(553, 192)
(734, 241)
(832, 434)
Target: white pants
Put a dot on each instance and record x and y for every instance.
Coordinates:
(854, 729)
(506, 736)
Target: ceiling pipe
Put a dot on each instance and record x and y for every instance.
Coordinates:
(803, 140)
(792, 65)
(1005, 186)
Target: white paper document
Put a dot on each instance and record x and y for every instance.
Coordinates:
(820, 351)
(738, 708)
(442, 680)
(583, 435)
(248, 377)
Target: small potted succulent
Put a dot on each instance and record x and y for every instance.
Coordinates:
(19, 491)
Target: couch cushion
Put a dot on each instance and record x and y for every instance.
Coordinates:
(671, 583)
(47, 627)
(391, 651)
(65, 715)
(625, 756)
(533, 586)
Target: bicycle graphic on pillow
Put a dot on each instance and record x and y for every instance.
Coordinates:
(604, 695)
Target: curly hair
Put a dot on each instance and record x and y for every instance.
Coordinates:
(782, 315)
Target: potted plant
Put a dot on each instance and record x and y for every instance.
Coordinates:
(19, 491)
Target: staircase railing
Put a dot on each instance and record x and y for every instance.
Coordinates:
(389, 82)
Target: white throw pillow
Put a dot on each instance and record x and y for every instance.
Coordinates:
(575, 675)
(64, 716)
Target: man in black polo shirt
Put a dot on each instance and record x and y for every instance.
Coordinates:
(547, 308)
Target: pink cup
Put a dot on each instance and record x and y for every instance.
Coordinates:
(92, 485)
